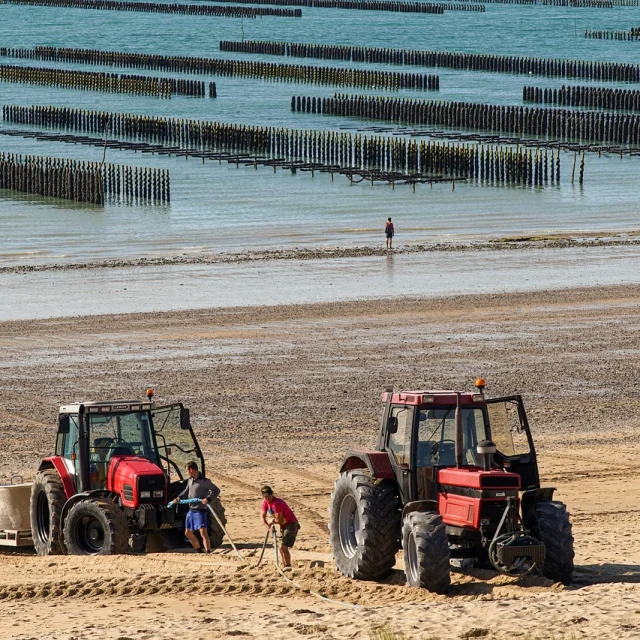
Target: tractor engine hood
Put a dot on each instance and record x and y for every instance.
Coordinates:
(477, 478)
(470, 497)
(137, 481)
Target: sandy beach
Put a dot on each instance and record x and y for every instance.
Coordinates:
(277, 395)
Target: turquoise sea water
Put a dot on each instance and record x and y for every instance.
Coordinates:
(224, 208)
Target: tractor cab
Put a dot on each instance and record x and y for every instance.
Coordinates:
(419, 431)
(117, 466)
(124, 431)
(454, 476)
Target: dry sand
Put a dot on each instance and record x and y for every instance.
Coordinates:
(277, 396)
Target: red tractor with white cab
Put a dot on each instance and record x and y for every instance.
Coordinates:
(116, 466)
(454, 477)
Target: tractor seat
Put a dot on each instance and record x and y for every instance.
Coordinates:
(425, 454)
(101, 448)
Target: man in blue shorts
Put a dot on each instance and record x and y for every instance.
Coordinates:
(202, 488)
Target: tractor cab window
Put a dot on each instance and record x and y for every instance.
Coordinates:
(437, 434)
(176, 445)
(118, 434)
(507, 431)
(400, 441)
(70, 444)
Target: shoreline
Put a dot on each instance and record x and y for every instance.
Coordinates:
(591, 240)
(260, 283)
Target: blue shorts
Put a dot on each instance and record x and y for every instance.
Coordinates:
(196, 519)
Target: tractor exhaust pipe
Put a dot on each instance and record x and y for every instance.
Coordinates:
(459, 433)
(83, 449)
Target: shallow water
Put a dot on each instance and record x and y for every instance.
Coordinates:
(174, 288)
(223, 208)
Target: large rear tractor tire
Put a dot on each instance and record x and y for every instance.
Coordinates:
(553, 527)
(46, 504)
(364, 525)
(426, 551)
(216, 533)
(96, 527)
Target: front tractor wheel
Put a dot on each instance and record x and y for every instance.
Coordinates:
(426, 551)
(96, 527)
(45, 507)
(553, 527)
(364, 525)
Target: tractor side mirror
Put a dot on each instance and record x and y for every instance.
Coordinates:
(63, 423)
(185, 420)
(392, 424)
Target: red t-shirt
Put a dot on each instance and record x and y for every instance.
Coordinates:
(280, 510)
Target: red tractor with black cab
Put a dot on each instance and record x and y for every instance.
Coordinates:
(454, 477)
(116, 467)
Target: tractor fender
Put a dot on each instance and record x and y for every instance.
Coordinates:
(57, 463)
(376, 462)
(419, 505)
(533, 496)
(108, 495)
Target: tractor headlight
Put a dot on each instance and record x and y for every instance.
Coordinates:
(145, 494)
(158, 494)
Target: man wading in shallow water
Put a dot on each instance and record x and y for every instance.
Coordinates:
(389, 232)
(279, 510)
(198, 487)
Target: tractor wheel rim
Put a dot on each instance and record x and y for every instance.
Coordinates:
(43, 520)
(412, 559)
(89, 535)
(349, 526)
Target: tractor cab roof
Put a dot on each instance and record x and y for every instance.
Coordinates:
(107, 406)
(442, 397)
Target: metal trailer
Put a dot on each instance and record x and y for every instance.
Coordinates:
(15, 524)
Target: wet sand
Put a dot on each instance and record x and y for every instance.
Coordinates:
(296, 278)
(278, 394)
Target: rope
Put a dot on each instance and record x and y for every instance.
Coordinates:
(193, 501)
(299, 586)
(264, 546)
(275, 553)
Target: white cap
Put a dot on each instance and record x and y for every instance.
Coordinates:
(486, 446)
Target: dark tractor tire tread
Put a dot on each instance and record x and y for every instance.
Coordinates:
(216, 533)
(434, 566)
(379, 509)
(167, 540)
(553, 527)
(49, 482)
(117, 539)
(174, 539)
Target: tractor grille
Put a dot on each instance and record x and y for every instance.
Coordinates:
(127, 492)
(492, 511)
(151, 484)
(499, 481)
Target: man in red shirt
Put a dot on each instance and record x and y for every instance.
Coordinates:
(389, 232)
(281, 514)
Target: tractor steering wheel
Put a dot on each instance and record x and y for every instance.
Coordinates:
(442, 451)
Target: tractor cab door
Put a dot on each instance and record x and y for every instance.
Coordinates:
(398, 446)
(511, 434)
(67, 444)
(176, 444)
